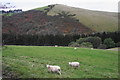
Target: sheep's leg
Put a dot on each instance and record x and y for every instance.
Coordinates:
(59, 72)
(49, 71)
(53, 72)
(76, 67)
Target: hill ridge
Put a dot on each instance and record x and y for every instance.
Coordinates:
(46, 20)
(91, 18)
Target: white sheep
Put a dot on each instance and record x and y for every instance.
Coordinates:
(56, 45)
(75, 48)
(91, 48)
(74, 64)
(55, 69)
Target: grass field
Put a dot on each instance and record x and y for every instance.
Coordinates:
(30, 61)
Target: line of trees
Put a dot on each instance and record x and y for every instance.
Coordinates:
(103, 35)
(11, 11)
(39, 40)
(51, 40)
(94, 42)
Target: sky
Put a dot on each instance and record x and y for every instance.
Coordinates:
(100, 5)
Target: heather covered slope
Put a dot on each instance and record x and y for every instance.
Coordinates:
(38, 22)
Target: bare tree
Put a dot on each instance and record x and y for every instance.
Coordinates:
(6, 5)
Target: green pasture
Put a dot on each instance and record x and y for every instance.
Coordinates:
(30, 61)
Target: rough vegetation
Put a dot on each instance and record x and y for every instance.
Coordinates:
(38, 22)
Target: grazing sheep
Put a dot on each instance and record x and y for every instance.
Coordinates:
(91, 48)
(56, 45)
(75, 48)
(74, 64)
(55, 69)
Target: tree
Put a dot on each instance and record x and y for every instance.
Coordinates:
(118, 44)
(74, 44)
(64, 14)
(109, 43)
(7, 5)
(67, 16)
(86, 44)
(102, 46)
(96, 41)
(81, 40)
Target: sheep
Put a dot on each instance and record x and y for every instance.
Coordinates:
(75, 48)
(74, 64)
(91, 48)
(55, 69)
(56, 45)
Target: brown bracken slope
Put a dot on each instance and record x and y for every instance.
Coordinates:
(38, 22)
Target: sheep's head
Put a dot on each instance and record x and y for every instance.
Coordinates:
(75, 48)
(47, 65)
(69, 63)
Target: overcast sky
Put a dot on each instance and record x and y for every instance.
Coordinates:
(101, 5)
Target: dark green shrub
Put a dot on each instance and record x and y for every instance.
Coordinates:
(109, 43)
(96, 41)
(74, 44)
(81, 40)
(118, 44)
(86, 45)
(102, 46)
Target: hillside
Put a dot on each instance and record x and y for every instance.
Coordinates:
(47, 21)
(38, 22)
(96, 20)
(30, 61)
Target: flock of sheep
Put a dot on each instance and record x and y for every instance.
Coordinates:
(57, 69)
